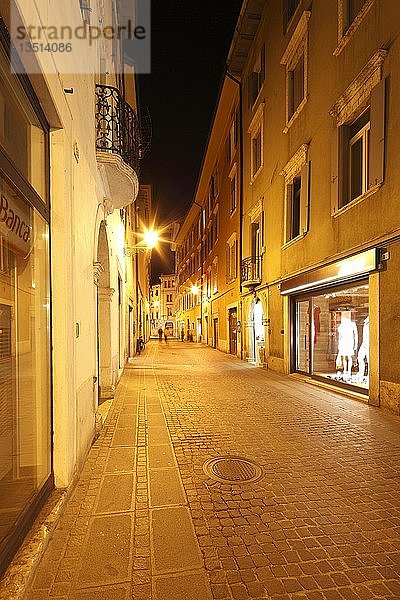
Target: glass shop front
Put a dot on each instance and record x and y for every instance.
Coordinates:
(25, 398)
(331, 335)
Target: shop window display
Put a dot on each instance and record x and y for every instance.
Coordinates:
(332, 335)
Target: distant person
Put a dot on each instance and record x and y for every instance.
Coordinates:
(182, 335)
(166, 334)
(140, 344)
(160, 333)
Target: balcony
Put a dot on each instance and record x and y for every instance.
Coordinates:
(117, 145)
(251, 271)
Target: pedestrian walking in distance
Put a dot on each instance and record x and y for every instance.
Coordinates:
(160, 332)
(166, 334)
(182, 335)
(139, 344)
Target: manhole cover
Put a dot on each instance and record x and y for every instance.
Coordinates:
(232, 469)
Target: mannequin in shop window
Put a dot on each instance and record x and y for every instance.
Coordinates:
(363, 352)
(347, 343)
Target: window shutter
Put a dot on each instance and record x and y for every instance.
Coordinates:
(304, 197)
(228, 269)
(344, 166)
(335, 171)
(288, 212)
(250, 90)
(377, 134)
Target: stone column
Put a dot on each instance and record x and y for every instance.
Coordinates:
(106, 387)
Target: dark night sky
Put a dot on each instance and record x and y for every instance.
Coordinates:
(190, 42)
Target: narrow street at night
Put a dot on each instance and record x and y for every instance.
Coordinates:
(319, 520)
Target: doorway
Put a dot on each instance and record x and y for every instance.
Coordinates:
(215, 337)
(232, 318)
(104, 296)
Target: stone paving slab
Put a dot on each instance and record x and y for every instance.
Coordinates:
(173, 542)
(323, 523)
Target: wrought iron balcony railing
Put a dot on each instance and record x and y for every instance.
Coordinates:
(117, 126)
(251, 270)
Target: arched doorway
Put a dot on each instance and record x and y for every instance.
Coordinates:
(256, 332)
(106, 387)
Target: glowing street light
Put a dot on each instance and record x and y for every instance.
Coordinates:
(150, 238)
(149, 241)
(195, 290)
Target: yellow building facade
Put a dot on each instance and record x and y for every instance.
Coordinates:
(206, 245)
(70, 146)
(320, 221)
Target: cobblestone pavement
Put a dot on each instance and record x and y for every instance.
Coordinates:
(146, 522)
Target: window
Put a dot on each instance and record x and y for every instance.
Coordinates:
(256, 152)
(256, 130)
(233, 189)
(215, 276)
(213, 187)
(256, 78)
(351, 14)
(295, 60)
(358, 144)
(85, 10)
(231, 259)
(216, 225)
(289, 8)
(359, 156)
(233, 136)
(296, 85)
(296, 173)
(294, 208)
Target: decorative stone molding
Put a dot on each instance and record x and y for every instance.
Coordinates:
(98, 269)
(344, 36)
(293, 167)
(257, 118)
(106, 293)
(107, 206)
(296, 39)
(359, 91)
(256, 211)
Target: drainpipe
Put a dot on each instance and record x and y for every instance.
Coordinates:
(241, 187)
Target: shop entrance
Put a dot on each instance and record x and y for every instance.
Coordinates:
(256, 333)
(331, 335)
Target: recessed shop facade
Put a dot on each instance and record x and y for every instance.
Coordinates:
(332, 311)
(25, 383)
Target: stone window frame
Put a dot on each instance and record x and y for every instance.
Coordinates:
(344, 36)
(297, 47)
(233, 180)
(297, 166)
(256, 126)
(232, 242)
(214, 281)
(349, 106)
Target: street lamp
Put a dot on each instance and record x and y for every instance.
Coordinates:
(149, 241)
